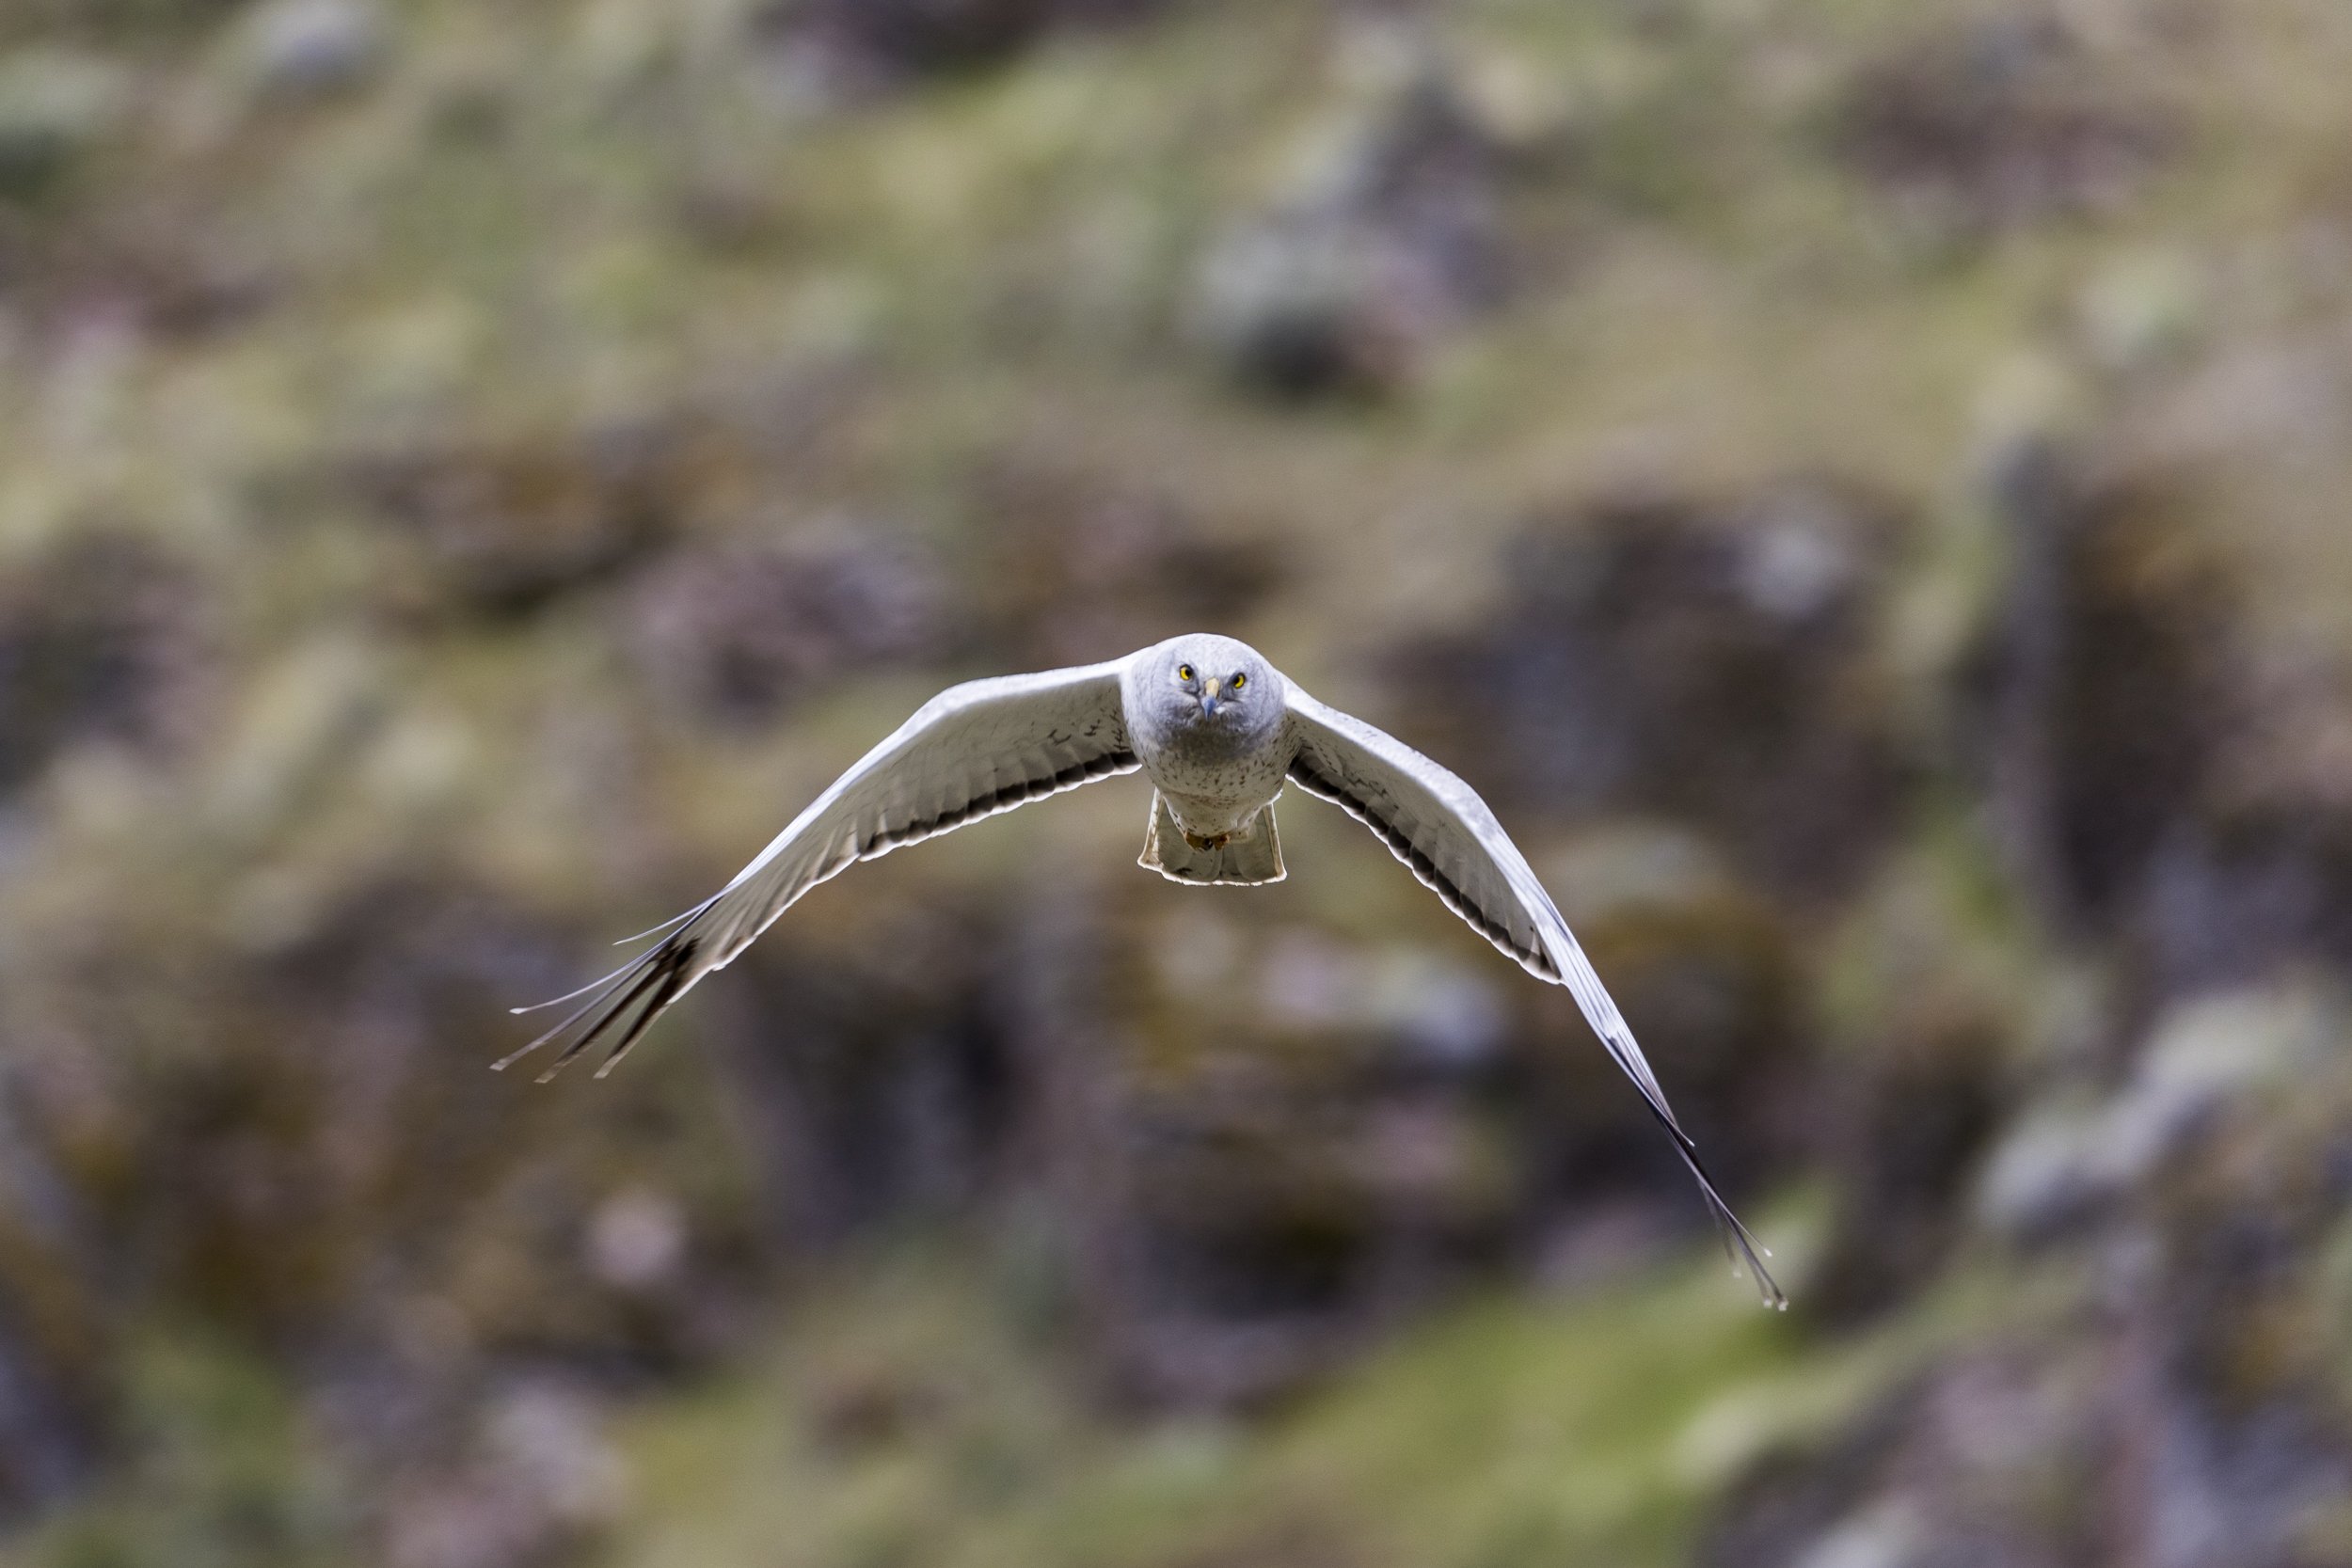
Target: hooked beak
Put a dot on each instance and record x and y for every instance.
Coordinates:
(1208, 697)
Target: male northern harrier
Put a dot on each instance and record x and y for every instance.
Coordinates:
(1219, 731)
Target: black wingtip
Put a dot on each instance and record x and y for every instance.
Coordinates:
(630, 999)
(1740, 1242)
(1745, 1252)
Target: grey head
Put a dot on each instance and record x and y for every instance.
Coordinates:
(1203, 691)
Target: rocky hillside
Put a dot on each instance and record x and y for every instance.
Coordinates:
(1859, 484)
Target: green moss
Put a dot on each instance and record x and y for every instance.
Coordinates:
(906, 1421)
(909, 1418)
(220, 1471)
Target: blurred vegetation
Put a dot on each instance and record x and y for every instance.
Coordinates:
(1857, 483)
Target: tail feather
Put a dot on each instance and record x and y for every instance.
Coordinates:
(1248, 858)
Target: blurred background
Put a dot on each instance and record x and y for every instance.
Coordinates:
(1860, 484)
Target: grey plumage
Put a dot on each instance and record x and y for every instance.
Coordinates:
(1220, 732)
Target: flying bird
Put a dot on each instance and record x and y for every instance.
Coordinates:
(1220, 732)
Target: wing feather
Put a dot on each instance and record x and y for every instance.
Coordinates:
(972, 752)
(1441, 828)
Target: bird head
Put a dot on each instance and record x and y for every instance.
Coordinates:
(1203, 679)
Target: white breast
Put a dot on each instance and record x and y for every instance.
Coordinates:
(1214, 788)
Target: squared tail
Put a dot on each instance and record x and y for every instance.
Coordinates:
(1246, 858)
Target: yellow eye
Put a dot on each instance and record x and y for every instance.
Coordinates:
(1238, 681)
(1183, 672)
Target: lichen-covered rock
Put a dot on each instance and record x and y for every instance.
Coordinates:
(303, 49)
(2000, 121)
(2061, 1159)
(1393, 240)
(104, 639)
(738, 634)
(1752, 624)
(2174, 1399)
(880, 40)
(55, 105)
(2106, 681)
(502, 528)
(1905, 1125)
(1073, 567)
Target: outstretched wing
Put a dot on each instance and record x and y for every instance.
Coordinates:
(1438, 826)
(970, 752)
